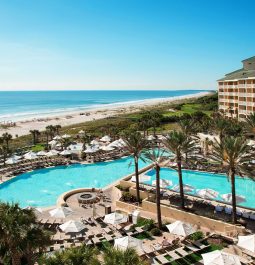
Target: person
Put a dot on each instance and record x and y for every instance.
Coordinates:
(165, 242)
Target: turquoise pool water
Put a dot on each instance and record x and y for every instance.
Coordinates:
(218, 182)
(42, 187)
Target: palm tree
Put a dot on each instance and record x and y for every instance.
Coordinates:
(19, 232)
(3, 152)
(181, 145)
(250, 123)
(234, 155)
(188, 126)
(220, 126)
(7, 138)
(57, 128)
(135, 144)
(143, 125)
(156, 157)
(155, 118)
(85, 139)
(51, 131)
(35, 134)
(64, 142)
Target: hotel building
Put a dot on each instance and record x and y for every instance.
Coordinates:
(237, 91)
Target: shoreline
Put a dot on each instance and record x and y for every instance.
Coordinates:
(89, 114)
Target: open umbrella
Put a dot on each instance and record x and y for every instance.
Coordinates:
(30, 155)
(106, 138)
(115, 218)
(94, 142)
(142, 178)
(61, 212)
(228, 198)
(220, 258)
(42, 153)
(186, 188)
(128, 242)
(11, 161)
(106, 148)
(247, 242)
(163, 183)
(181, 229)
(57, 137)
(72, 226)
(52, 153)
(65, 153)
(207, 193)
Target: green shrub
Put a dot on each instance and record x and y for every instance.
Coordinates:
(122, 188)
(128, 197)
(196, 236)
(147, 224)
(156, 231)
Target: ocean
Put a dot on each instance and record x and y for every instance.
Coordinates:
(20, 105)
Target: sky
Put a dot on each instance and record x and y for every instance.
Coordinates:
(122, 44)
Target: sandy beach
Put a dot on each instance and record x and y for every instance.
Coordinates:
(70, 118)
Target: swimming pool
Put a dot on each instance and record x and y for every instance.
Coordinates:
(42, 187)
(218, 182)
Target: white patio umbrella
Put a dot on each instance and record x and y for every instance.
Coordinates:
(228, 198)
(106, 148)
(61, 212)
(117, 144)
(94, 142)
(106, 138)
(247, 242)
(16, 157)
(81, 132)
(65, 136)
(163, 183)
(220, 258)
(52, 153)
(57, 137)
(151, 138)
(11, 161)
(115, 218)
(207, 193)
(186, 188)
(181, 229)
(53, 142)
(128, 242)
(142, 178)
(30, 155)
(91, 149)
(65, 153)
(42, 153)
(72, 226)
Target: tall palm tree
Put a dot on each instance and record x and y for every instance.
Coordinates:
(181, 145)
(250, 123)
(7, 138)
(57, 128)
(234, 155)
(156, 157)
(143, 125)
(85, 139)
(16, 227)
(51, 131)
(135, 144)
(155, 118)
(3, 152)
(65, 142)
(220, 126)
(35, 134)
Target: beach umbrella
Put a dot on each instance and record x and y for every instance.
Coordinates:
(91, 149)
(142, 178)
(42, 153)
(53, 142)
(61, 212)
(247, 242)
(65, 153)
(207, 193)
(52, 153)
(106, 138)
(94, 142)
(163, 183)
(116, 144)
(186, 188)
(115, 218)
(65, 136)
(220, 258)
(16, 157)
(81, 132)
(57, 137)
(181, 229)
(151, 138)
(11, 161)
(72, 226)
(128, 242)
(30, 155)
(106, 148)
(228, 198)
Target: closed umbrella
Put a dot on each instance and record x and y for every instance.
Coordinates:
(115, 218)
(126, 242)
(186, 188)
(72, 227)
(61, 212)
(228, 198)
(142, 178)
(207, 193)
(181, 229)
(247, 242)
(220, 258)
(163, 183)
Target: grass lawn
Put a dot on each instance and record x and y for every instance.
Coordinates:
(38, 147)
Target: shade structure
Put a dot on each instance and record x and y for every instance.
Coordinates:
(247, 242)
(106, 148)
(42, 153)
(142, 178)
(220, 258)
(65, 153)
(61, 212)
(52, 153)
(65, 136)
(72, 227)
(128, 242)
(11, 161)
(181, 229)
(115, 218)
(57, 137)
(207, 193)
(30, 155)
(186, 188)
(94, 142)
(163, 183)
(105, 138)
(228, 198)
